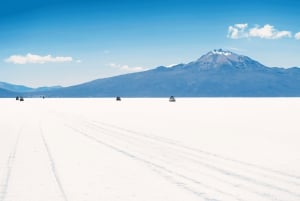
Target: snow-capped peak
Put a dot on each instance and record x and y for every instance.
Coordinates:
(220, 58)
(221, 52)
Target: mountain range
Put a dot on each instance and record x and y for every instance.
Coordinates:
(219, 73)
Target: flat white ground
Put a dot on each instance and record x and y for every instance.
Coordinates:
(150, 149)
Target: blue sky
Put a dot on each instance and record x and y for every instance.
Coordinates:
(66, 42)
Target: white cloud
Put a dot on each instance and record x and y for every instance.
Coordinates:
(266, 32)
(132, 69)
(297, 36)
(241, 26)
(237, 31)
(126, 67)
(36, 59)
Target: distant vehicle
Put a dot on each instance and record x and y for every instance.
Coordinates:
(172, 99)
(17, 98)
(118, 98)
(21, 99)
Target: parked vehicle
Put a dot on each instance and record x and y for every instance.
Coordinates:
(172, 99)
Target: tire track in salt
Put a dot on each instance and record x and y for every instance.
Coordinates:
(188, 155)
(162, 169)
(117, 133)
(222, 171)
(53, 166)
(264, 172)
(9, 166)
(175, 143)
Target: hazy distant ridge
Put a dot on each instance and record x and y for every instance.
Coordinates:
(24, 89)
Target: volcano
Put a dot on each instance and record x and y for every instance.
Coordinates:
(218, 73)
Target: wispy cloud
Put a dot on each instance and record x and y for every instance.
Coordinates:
(36, 59)
(126, 67)
(297, 36)
(268, 31)
(237, 31)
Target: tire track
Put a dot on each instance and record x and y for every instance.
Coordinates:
(195, 158)
(228, 172)
(175, 143)
(53, 166)
(134, 144)
(158, 166)
(9, 167)
(282, 177)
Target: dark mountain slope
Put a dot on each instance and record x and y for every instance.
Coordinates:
(217, 74)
